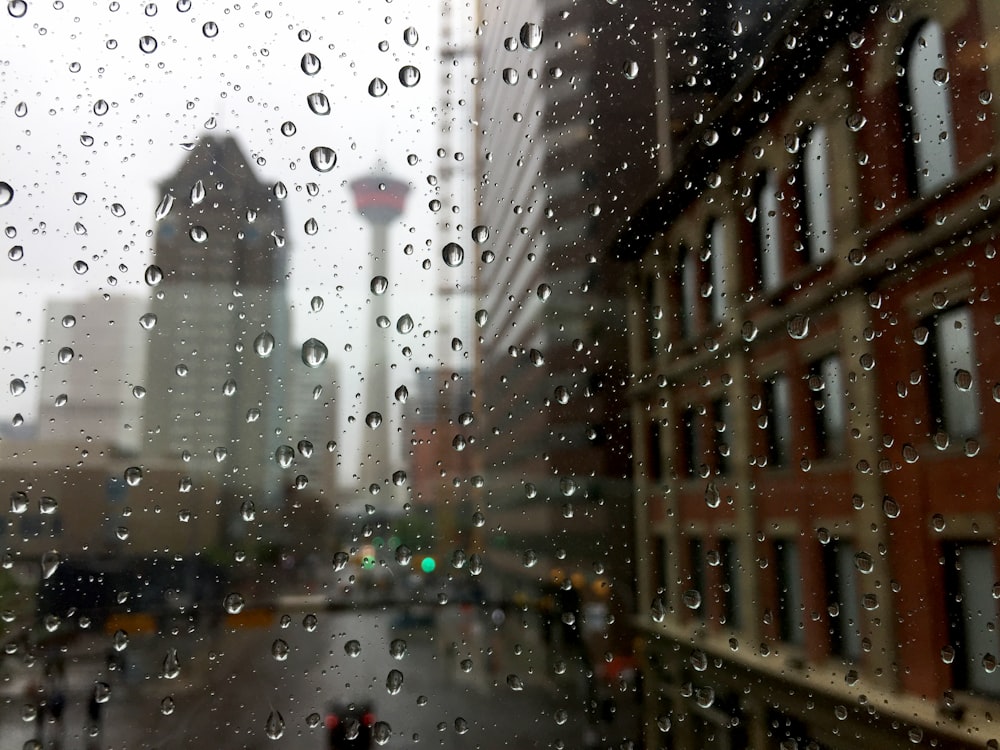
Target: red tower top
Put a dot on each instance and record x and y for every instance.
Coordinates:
(379, 198)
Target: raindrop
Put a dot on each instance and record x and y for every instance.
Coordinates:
(310, 622)
(401, 394)
(323, 158)
(79, 198)
(16, 253)
(530, 558)
(630, 69)
(197, 193)
(279, 649)
(148, 321)
(480, 234)
(198, 233)
(314, 352)
(963, 380)
(311, 226)
(340, 560)
(18, 502)
(17, 387)
(171, 665)
(379, 285)
(6, 193)
(133, 476)
(310, 64)
(394, 682)
(536, 358)
(409, 76)
(352, 648)
(453, 254)
(404, 324)
(65, 355)
(81, 267)
(275, 726)
(377, 87)
(397, 648)
(284, 455)
(798, 327)
(856, 121)
(712, 497)
(510, 76)
(864, 563)
(481, 317)
(210, 29)
(288, 128)
(48, 505)
(233, 603)
(100, 107)
(403, 555)
(17, 8)
(514, 683)
(163, 208)
(410, 36)
(399, 478)
(318, 103)
(305, 448)
(692, 599)
(264, 344)
(940, 76)
(373, 419)
(147, 44)
(229, 388)
(68, 321)
(381, 732)
(890, 507)
(531, 35)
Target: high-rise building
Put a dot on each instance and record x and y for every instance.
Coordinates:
(219, 345)
(93, 371)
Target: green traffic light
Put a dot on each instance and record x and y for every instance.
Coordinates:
(427, 565)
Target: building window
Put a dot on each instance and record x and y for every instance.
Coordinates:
(654, 461)
(728, 563)
(652, 316)
(788, 572)
(928, 99)
(778, 426)
(842, 600)
(688, 277)
(659, 571)
(769, 260)
(818, 216)
(720, 431)
(696, 561)
(718, 281)
(826, 382)
(688, 442)
(969, 574)
(951, 372)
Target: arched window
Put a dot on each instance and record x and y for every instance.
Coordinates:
(929, 99)
(818, 219)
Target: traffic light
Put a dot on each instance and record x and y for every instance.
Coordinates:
(428, 564)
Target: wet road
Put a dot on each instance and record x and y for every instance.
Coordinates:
(453, 694)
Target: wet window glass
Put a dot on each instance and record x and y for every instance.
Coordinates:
(499, 374)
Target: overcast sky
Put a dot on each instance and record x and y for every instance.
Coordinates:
(245, 74)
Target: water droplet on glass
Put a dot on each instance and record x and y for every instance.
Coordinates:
(798, 327)
(310, 64)
(247, 512)
(171, 665)
(856, 121)
(352, 648)
(692, 599)
(148, 321)
(133, 476)
(510, 76)
(310, 622)
(410, 36)
(340, 560)
(530, 558)
(323, 158)
(288, 129)
(264, 344)
(101, 107)
(275, 726)
(314, 352)
(397, 648)
(630, 69)
(536, 358)
(394, 682)
(81, 267)
(17, 8)
(65, 355)
(373, 419)
(453, 254)
(531, 35)
(409, 76)
(399, 478)
(404, 324)
(403, 555)
(210, 29)
(481, 318)
(279, 649)
(284, 455)
(514, 683)
(377, 87)
(318, 103)
(311, 226)
(890, 507)
(233, 603)
(963, 380)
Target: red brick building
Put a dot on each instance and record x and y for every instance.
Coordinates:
(815, 295)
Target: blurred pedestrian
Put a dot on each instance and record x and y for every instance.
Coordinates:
(94, 707)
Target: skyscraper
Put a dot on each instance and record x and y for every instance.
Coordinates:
(219, 345)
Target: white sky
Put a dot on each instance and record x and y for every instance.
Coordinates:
(247, 77)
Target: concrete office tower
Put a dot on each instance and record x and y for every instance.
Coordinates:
(380, 200)
(93, 359)
(220, 345)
